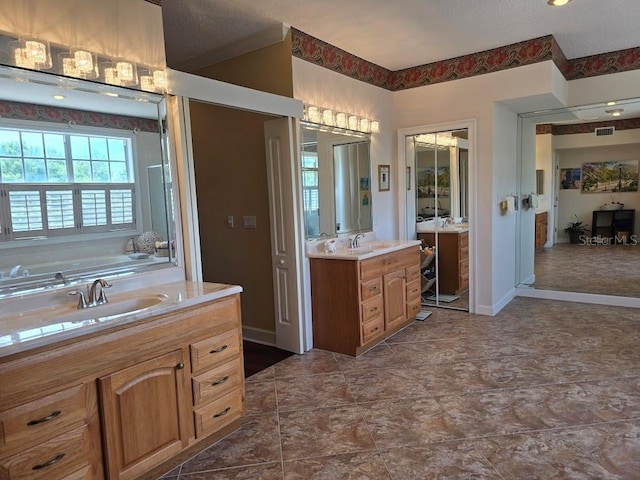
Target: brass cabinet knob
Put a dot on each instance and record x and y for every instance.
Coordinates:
(180, 366)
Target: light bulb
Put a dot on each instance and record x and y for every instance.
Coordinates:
(327, 117)
(341, 120)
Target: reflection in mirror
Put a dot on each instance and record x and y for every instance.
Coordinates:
(441, 162)
(336, 181)
(568, 146)
(84, 179)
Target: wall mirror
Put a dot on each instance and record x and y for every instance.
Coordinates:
(336, 181)
(85, 182)
(569, 145)
(439, 207)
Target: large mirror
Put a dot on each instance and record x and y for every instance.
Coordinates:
(438, 199)
(85, 183)
(580, 234)
(336, 181)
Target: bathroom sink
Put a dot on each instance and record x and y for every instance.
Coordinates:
(108, 311)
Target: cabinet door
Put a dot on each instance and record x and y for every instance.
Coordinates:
(394, 298)
(144, 409)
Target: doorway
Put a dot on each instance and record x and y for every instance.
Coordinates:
(438, 197)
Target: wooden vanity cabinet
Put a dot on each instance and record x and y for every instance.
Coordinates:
(358, 303)
(541, 227)
(127, 403)
(453, 260)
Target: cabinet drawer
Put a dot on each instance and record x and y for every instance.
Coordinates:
(371, 308)
(372, 267)
(44, 418)
(52, 460)
(216, 382)
(414, 307)
(215, 415)
(464, 255)
(215, 350)
(372, 329)
(413, 273)
(413, 290)
(371, 289)
(463, 239)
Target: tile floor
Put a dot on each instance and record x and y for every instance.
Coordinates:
(544, 390)
(604, 269)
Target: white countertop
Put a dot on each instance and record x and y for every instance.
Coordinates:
(367, 249)
(22, 329)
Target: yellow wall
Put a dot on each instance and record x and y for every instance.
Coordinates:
(231, 179)
(267, 69)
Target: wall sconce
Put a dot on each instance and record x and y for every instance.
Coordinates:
(342, 120)
(327, 117)
(32, 53)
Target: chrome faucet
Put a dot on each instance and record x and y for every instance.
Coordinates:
(102, 298)
(355, 241)
(60, 276)
(14, 271)
(91, 299)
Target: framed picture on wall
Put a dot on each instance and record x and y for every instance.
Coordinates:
(570, 178)
(384, 171)
(610, 177)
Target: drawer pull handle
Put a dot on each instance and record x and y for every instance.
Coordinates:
(222, 413)
(373, 289)
(374, 309)
(44, 419)
(55, 459)
(221, 381)
(374, 329)
(218, 350)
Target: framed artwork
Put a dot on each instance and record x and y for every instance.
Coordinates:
(384, 171)
(408, 178)
(569, 178)
(610, 177)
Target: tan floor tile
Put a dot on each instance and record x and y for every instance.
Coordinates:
(324, 432)
(311, 363)
(450, 460)
(352, 466)
(313, 391)
(270, 471)
(260, 398)
(255, 442)
(408, 422)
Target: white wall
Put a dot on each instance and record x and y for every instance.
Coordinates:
(319, 86)
(496, 156)
(573, 202)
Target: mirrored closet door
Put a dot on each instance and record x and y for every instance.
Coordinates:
(437, 188)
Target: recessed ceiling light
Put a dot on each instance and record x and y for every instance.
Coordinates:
(59, 97)
(611, 104)
(558, 3)
(616, 112)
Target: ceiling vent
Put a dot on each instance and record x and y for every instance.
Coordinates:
(605, 131)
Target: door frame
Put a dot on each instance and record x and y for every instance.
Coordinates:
(403, 226)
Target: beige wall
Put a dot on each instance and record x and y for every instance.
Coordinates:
(267, 69)
(231, 179)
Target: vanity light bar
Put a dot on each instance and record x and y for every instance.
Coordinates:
(340, 120)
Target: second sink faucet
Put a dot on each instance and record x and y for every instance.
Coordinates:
(355, 241)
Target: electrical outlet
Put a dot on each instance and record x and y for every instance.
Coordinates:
(229, 221)
(249, 221)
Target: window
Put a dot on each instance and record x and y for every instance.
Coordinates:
(54, 183)
(310, 193)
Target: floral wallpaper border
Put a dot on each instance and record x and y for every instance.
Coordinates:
(311, 49)
(42, 113)
(576, 128)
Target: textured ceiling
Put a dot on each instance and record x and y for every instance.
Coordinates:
(403, 33)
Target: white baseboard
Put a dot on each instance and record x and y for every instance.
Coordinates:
(259, 335)
(492, 310)
(580, 297)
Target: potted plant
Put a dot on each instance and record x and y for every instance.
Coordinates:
(575, 230)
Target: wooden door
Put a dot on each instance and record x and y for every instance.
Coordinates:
(395, 299)
(144, 415)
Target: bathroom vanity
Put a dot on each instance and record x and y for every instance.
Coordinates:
(121, 396)
(452, 250)
(362, 296)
